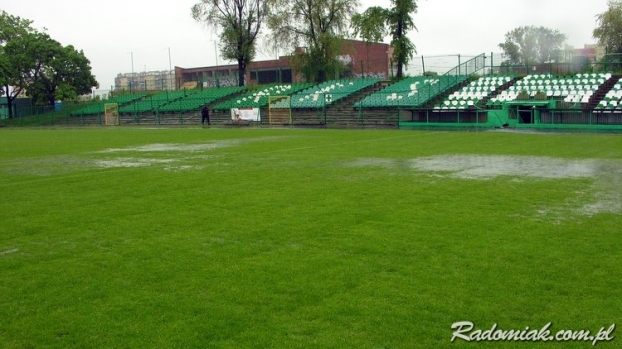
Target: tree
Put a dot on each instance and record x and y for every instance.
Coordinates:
(373, 25)
(239, 22)
(31, 61)
(370, 25)
(609, 31)
(12, 29)
(400, 22)
(65, 74)
(531, 45)
(313, 30)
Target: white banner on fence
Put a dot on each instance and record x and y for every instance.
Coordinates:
(245, 114)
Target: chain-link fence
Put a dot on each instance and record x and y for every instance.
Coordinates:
(25, 114)
(495, 63)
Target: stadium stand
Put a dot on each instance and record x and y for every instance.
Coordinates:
(326, 94)
(259, 98)
(411, 92)
(471, 94)
(613, 98)
(576, 89)
(98, 108)
(154, 102)
(196, 101)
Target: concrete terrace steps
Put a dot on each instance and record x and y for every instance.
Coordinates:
(344, 113)
(484, 101)
(602, 91)
(341, 112)
(348, 102)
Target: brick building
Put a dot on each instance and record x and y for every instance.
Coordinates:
(362, 59)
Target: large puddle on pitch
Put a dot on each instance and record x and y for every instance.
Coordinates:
(488, 167)
(171, 157)
(174, 147)
(189, 148)
(130, 162)
(484, 167)
(606, 174)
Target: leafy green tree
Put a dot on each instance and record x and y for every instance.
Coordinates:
(5, 70)
(400, 23)
(530, 45)
(31, 61)
(609, 29)
(314, 31)
(376, 22)
(371, 24)
(62, 73)
(12, 29)
(239, 23)
(609, 34)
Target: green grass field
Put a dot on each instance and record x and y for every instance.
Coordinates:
(215, 238)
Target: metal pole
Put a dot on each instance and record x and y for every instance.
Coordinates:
(459, 67)
(216, 53)
(170, 70)
(423, 65)
(492, 67)
(132, 76)
(216, 72)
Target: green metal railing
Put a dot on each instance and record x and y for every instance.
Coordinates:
(459, 74)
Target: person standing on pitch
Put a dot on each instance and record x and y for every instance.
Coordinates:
(205, 115)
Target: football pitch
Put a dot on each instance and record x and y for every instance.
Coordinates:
(291, 238)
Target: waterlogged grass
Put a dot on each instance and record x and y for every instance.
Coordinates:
(211, 238)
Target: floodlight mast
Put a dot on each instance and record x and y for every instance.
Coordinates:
(132, 75)
(170, 69)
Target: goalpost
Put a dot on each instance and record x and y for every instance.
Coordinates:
(279, 110)
(111, 114)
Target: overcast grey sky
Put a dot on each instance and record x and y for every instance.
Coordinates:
(109, 30)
